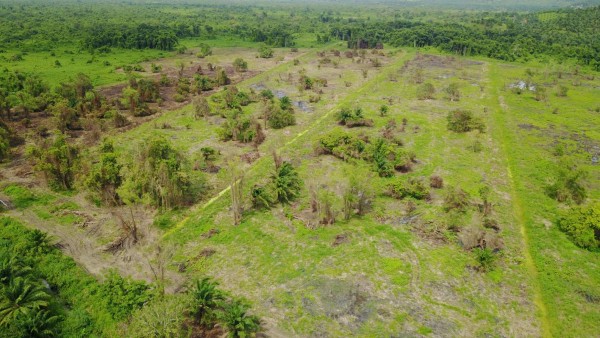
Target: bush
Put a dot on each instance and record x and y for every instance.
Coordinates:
(436, 182)
(342, 145)
(265, 52)
(562, 91)
(425, 91)
(237, 127)
(453, 92)
(582, 225)
(57, 160)
(485, 257)
(281, 118)
(456, 199)
(105, 176)
(160, 175)
(123, 295)
(353, 118)
(380, 156)
(412, 187)
(240, 65)
(568, 186)
(4, 141)
(205, 50)
(462, 121)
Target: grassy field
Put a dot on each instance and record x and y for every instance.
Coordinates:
(64, 62)
(400, 269)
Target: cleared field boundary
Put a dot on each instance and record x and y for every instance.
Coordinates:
(498, 116)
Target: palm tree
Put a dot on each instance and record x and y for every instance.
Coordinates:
(40, 324)
(40, 241)
(21, 297)
(286, 182)
(11, 266)
(206, 299)
(238, 322)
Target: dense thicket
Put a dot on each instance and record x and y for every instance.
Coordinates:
(566, 33)
(506, 36)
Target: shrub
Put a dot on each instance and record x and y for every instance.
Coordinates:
(123, 295)
(582, 225)
(240, 65)
(462, 121)
(105, 176)
(485, 257)
(453, 92)
(201, 107)
(178, 97)
(562, 91)
(205, 50)
(237, 127)
(164, 80)
(568, 186)
(342, 145)
(57, 160)
(160, 175)
(412, 187)
(425, 91)
(222, 79)
(203, 83)
(281, 118)
(436, 182)
(4, 141)
(265, 52)
(379, 154)
(456, 199)
(353, 118)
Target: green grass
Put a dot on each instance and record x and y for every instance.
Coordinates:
(411, 282)
(268, 255)
(101, 68)
(562, 269)
(22, 197)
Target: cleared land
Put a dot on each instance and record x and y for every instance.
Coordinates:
(397, 268)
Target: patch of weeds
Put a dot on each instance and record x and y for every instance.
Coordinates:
(167, 219)
(22, 197)
(424, 330)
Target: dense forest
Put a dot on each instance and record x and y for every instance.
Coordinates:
(563, 34)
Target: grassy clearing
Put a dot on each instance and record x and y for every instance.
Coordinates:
(531, 129)
(395, 269)
(290, 270)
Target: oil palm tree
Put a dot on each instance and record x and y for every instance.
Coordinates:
(206, 299)
(21, 297)
(286, 182)
(11, 266)
(39, 324)
(238, 322)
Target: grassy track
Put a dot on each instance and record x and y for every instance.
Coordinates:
(518, 212)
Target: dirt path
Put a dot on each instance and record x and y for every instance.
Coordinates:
(517, 208)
